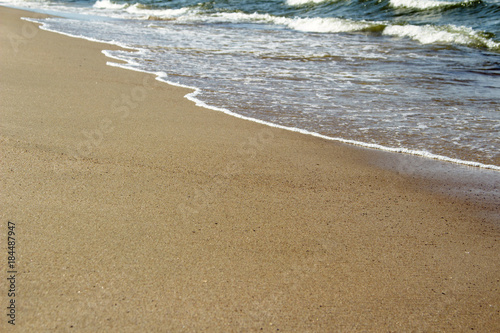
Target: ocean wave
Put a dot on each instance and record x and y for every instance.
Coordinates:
(303, 2)
(431, 4)
(331, 25)
(139, 11)
(107, 4)
(315, 24)
(449, 34)
(424, 34)
(168, 14)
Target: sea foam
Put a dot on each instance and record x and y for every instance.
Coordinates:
(107, 4)
(427, 4)
(450, 34)
(302, 2)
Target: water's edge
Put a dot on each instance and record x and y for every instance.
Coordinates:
(471, 181)
(192, 97)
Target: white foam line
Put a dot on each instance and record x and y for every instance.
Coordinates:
(192, 97)
(303, 2)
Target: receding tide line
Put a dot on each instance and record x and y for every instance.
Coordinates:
(192, 97)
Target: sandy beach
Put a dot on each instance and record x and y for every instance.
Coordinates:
(136, 211)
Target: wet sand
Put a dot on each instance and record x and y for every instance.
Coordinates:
(136, 210)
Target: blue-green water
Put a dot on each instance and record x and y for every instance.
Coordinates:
(419, 76)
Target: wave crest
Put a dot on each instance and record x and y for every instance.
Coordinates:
(303, 2)
(431, 4)
(449, 34)
(107, 4)
(425, 34)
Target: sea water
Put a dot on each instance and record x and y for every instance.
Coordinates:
(414, 76)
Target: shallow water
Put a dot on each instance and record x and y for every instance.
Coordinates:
(403, 75)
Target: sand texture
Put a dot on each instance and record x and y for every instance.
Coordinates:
(137, 211)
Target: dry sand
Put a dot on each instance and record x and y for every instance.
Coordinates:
(137, 211)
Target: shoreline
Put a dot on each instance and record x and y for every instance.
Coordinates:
(181, 218)
(191, 96)
(453, 175)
